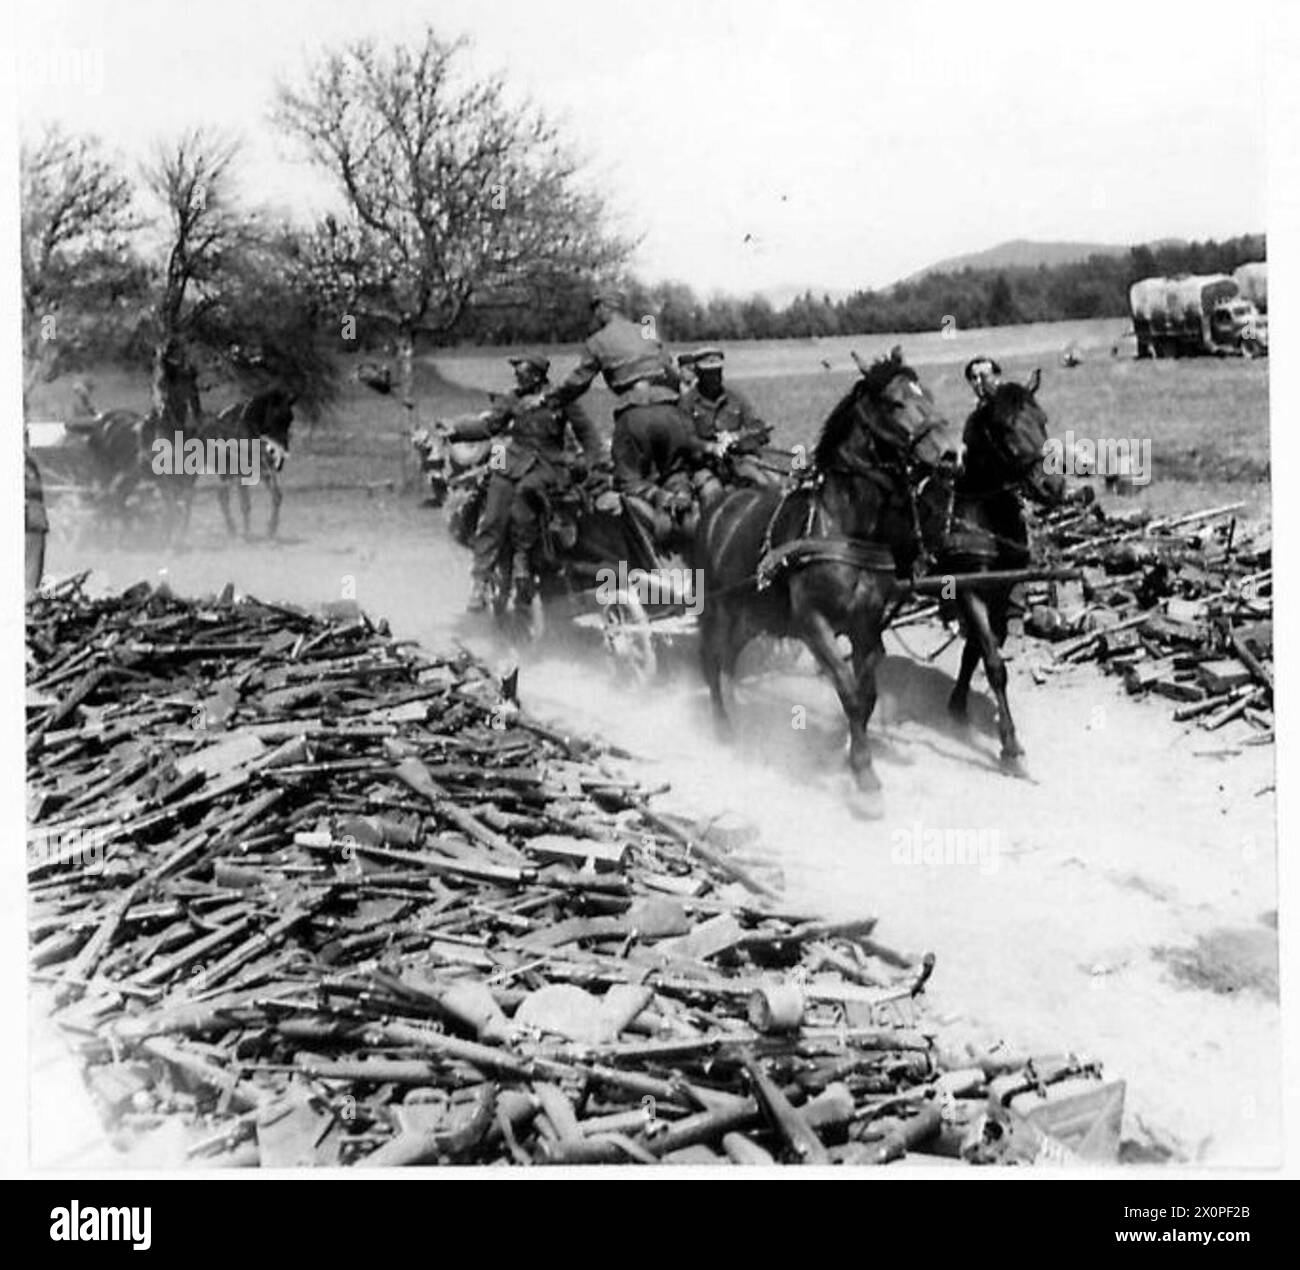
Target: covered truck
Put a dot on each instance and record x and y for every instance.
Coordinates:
(1191, 314)
(1252, 282)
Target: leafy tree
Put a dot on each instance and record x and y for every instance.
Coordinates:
(449, 190)
(76, 262)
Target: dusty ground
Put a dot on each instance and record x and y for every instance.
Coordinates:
(1122, 903)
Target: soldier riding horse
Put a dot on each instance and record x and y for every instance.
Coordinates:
(823, 559)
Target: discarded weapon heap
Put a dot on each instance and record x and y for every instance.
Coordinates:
(304, 894)
(1181, 606)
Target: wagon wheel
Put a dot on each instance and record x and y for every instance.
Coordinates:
(628, 637)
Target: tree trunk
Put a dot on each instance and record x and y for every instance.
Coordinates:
(174, 387)
(408, 470)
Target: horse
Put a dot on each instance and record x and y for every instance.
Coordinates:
(880, 505)
(118, 445)
(258, 424)
(125, 450)
(818, 561)
(984, 529)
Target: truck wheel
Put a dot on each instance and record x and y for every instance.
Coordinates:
(1144, 350)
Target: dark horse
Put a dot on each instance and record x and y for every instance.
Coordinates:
(985, 529)
(124, 450)
(262, 422)
(819, 561)
(882, 500)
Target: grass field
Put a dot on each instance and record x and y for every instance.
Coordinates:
(1207, 419)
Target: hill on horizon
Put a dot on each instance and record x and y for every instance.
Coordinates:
(1025, 253)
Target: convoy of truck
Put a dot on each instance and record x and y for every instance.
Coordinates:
(1192, 314)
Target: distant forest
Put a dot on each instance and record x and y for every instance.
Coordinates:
(1093, 288)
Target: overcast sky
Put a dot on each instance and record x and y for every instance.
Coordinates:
(853, 142)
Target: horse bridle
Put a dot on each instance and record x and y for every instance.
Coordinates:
(859, 553)
(1020, 475)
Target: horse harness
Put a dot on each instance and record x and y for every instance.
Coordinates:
(859, 553)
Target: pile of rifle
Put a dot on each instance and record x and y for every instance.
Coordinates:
(1180, 606)
(302, 894)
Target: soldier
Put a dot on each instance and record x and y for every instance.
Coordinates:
(530, 468)
(984, 376)
(654, 448)
(37, 522)
(727, 423)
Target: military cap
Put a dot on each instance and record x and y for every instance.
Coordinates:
(535, 360)
(976, 362)
(706, 359)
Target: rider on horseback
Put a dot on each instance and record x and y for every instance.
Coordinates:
(727, 423)
(654, 448)
(527, 471)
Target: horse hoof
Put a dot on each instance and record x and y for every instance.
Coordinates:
(1014, 765)
(957, 709)
(868, 804)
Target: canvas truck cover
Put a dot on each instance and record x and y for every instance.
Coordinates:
(1252, 281)
(1180, 298)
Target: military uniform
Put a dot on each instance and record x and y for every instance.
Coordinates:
(729, 413)
(653, 447)
(37, 522)
(531, 467)
(628, 359)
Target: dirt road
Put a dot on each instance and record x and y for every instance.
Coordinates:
(1121, 903)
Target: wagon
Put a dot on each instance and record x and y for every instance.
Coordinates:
(640, 612)
(69, 472)
(607, 577)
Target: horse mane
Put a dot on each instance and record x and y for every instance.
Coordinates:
(844, 417)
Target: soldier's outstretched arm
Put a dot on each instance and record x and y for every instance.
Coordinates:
(478, 427)
(578, 380)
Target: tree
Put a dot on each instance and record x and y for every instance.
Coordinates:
(1002, 309)
(232, 294)
(448, 189)
(191, 177)
(265, 325)
(77, 216)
